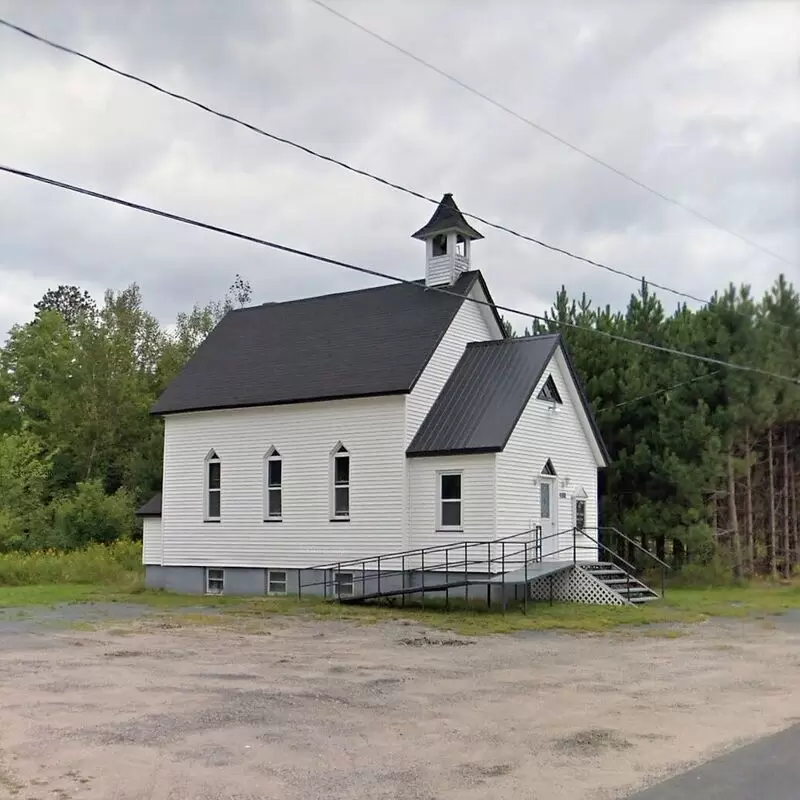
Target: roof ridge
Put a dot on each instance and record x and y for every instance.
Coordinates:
(515, 339)
(272, 304)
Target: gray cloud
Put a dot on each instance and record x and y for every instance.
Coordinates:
(699, 100)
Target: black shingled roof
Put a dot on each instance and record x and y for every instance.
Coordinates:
(152, 508)
(447, 217)
(485, 395)
(353, 344)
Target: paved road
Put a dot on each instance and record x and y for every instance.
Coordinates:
(768, 769)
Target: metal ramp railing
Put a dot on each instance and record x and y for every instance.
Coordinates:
(441, 569)
(461, 564)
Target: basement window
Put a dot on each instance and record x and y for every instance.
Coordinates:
(549, 392)
(276, 581)
(343, 583)
(449, 501)
(215, 581)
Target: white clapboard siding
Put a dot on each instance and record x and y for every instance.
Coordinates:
(305, 434)
(151, 540)
(561, 436)
(439, 271)
(472, 323)
(478, 498)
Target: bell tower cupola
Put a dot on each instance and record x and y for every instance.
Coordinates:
(448, 241)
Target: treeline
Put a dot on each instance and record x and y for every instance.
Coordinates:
(706, 458)
(706, 465)
(78, 448)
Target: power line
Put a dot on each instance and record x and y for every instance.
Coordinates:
(658, 392)
(344, 165)
(550, 133)
(384, 275)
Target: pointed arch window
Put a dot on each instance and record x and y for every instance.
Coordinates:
(213, 487)
(341, 482)
(273, 486)
(549, 392)
(548, 468)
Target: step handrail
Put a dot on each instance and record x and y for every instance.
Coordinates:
(607, 549)
(631, 567)
(633, 542)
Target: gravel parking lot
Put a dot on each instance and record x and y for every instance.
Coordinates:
(291, 708)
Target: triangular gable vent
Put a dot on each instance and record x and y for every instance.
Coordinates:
(549, 391)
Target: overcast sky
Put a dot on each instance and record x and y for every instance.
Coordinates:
(700, 100)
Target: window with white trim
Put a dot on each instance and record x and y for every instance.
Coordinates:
(549, 392)
(450, 501)
(215, 581)
(341, 482)
(213, 481)
(276, 581)
(342, 583)
(273, 486)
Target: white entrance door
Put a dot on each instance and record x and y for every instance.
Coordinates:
(548, 514)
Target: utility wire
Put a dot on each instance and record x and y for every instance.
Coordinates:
(386, 276)
(344, 165)
(659, 392)
(546, 132)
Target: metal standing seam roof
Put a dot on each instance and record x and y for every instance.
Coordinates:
(354, 344)
(152, 508)
(483, 399)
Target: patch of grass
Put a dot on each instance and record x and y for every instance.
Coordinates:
(468, 621)
(753, 599)
(573, 617)
(681, 606)
(663, 633)
(591, 741)
(46, 595)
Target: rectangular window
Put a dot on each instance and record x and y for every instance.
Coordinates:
(341, 484)
(276, 581)
(274, 488)
(214, 490)
(215, 581)
(450, 500)
(343, 583)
